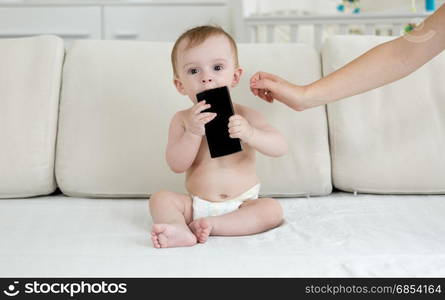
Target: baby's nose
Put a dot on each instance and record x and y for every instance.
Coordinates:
(206, 80)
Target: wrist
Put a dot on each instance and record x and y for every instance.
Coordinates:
(312, 97)
(249, 138)
(303, 97)
(192, 135)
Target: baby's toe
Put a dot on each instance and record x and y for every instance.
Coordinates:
(196, 228)
(155, 241)
(204, 224)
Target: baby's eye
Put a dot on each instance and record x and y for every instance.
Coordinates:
(193, 71)
(218, 67)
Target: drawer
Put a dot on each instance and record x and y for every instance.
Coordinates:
(66, 22)
(161, 22)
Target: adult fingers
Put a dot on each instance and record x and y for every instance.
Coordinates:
(254, 91)
(264, 84)
(263, 75)
(269, 97)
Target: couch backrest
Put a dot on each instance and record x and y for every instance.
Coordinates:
(117, 101)
(306, 169)
(30, 72)
(391, 139)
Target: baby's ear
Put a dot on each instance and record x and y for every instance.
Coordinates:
(236, 77)
(179, 86)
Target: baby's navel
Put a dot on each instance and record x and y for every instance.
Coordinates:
(223, 196)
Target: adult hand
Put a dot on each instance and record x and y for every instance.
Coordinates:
(270, 87)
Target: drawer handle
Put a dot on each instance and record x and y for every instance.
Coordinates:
(126, 35)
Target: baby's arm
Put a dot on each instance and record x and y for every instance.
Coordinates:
(185, 135)
(252, 128)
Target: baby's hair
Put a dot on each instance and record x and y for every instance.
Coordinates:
(196, 36)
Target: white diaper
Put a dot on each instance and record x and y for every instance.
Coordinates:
(204, 208)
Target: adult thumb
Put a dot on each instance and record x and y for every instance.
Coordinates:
(265, 84)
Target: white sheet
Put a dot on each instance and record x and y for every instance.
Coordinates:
(340, 235)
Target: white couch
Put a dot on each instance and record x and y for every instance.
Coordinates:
(83, 132)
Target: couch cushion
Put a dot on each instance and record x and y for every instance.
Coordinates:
(391, 139)
(116, 105)
(116, 102)
(306, 168)
(30, 72)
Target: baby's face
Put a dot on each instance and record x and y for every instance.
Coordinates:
(208, 65)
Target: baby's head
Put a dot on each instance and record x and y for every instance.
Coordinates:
(204, 57)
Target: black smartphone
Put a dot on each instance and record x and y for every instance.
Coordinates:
(217, 131)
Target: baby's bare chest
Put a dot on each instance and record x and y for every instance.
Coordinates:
(233, 161)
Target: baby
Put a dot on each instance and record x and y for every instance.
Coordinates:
(223, 191)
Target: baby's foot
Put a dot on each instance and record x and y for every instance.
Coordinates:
(171, 235)
(202, 229)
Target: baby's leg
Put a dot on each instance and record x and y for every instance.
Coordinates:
(171, 212)
(253, 216)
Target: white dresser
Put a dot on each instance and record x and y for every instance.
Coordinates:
(113, 19)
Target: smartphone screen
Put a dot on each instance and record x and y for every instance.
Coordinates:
(217, 131)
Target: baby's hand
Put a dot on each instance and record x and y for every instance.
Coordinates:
(195, 119)
(240, 128)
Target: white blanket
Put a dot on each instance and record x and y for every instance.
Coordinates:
(340, 235)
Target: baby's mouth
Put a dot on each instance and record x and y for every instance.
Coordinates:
(203, 90)
(209, 88)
